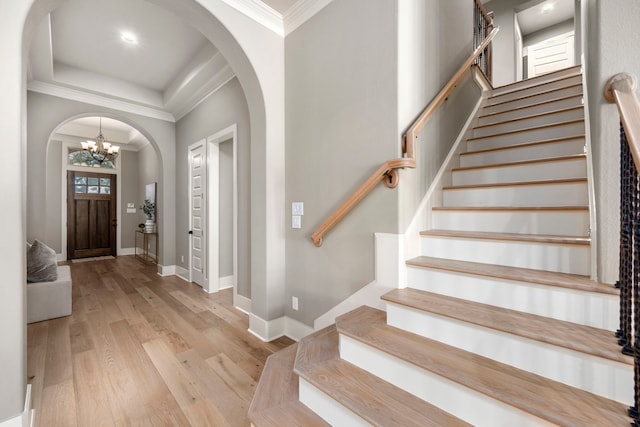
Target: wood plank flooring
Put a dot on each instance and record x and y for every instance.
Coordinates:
(143, 350)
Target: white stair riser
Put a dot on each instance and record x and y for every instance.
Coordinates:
(557, 223)
(534, 90)
(574, 259)
(569, 72)
(522, 153)
(529, 172)
(600, 376)
(585, 308)
(533, 195)
(567, 130)
(529, 122)
(473, 407)
(534, 99)
(328, 408)
(547, 107)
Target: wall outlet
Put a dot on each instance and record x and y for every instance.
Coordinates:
(294, 303)
(296, 221)
(182, 259)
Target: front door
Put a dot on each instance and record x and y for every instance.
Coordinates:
(197, 211)
(91, 214)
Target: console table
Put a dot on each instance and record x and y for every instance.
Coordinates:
(148, 251)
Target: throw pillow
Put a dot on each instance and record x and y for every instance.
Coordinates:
(42, 265)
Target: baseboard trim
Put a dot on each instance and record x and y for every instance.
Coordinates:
(269, 330)
(182, 273)
(126, 251)
(166, 270)
(226, 282)
(25, 419)
(242, 303)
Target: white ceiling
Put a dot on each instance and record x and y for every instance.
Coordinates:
(533, 17)
(78, 53)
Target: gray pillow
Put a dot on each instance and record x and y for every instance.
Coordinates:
(42, 265)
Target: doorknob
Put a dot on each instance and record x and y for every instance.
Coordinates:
(190, 231)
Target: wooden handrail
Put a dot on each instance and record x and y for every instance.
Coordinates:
(621, 90)
(389, 170)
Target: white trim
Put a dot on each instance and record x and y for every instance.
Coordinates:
(266, 330)
(259, 12)
(213, 187)
(241, 302)
(66, 167)
(182, 273)
(301, 12)
(269, 330)
(226, 282)
(126, 251)
(295, 329)
(230, 76)
(166, 270)
(99, 100)
(24, 419)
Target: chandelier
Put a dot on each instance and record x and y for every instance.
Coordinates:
(101, 150)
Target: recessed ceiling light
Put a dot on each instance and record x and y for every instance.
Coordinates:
(547, 8)
(129, 37)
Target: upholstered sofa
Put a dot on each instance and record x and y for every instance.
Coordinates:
(48, 300)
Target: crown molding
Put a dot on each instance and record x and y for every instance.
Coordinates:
(216, 83)
(99, 100)
(259, 12)
(301, 12)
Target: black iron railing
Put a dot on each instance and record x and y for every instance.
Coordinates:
(482, 26)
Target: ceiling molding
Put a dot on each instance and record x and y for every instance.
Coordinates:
(301, 12)
(259, 12)
(218, 82)
(99, 100)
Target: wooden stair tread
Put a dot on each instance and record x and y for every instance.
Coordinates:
(517, 146)
(544, 92)
(519, 119)
(581, 338)
(275, 402)
(536, 104)
(517, 89)
(523, 162)
(376, 401)
(577, 69)
(516, 237)
(290, 414)
(555, 402)
(513, 132)
(518, 184)
(541, 277)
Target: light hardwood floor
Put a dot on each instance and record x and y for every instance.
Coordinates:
(143, 350)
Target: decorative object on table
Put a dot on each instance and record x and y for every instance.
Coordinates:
(149, 209)
(141, 226)
(100, 150)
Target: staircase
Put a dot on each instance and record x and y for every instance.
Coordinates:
(499, 324)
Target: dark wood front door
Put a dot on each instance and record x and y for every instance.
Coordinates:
(91, 214)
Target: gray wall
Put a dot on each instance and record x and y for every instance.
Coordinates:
(614, 44)
(435, 39)
(225, 209)
(504, 51)
(148, 173)
(130, 193)
(45, 113)
(547, 33)
(340, 127)
(224, 108)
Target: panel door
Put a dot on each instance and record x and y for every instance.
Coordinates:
(197, 212)
(91, 214)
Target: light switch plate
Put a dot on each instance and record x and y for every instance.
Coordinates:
(296, 221)
(297, 208)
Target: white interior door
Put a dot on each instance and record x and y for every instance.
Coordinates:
(197, 212)
(551, 55)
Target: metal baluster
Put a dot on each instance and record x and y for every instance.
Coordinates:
(625, 246)
(633, 411)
